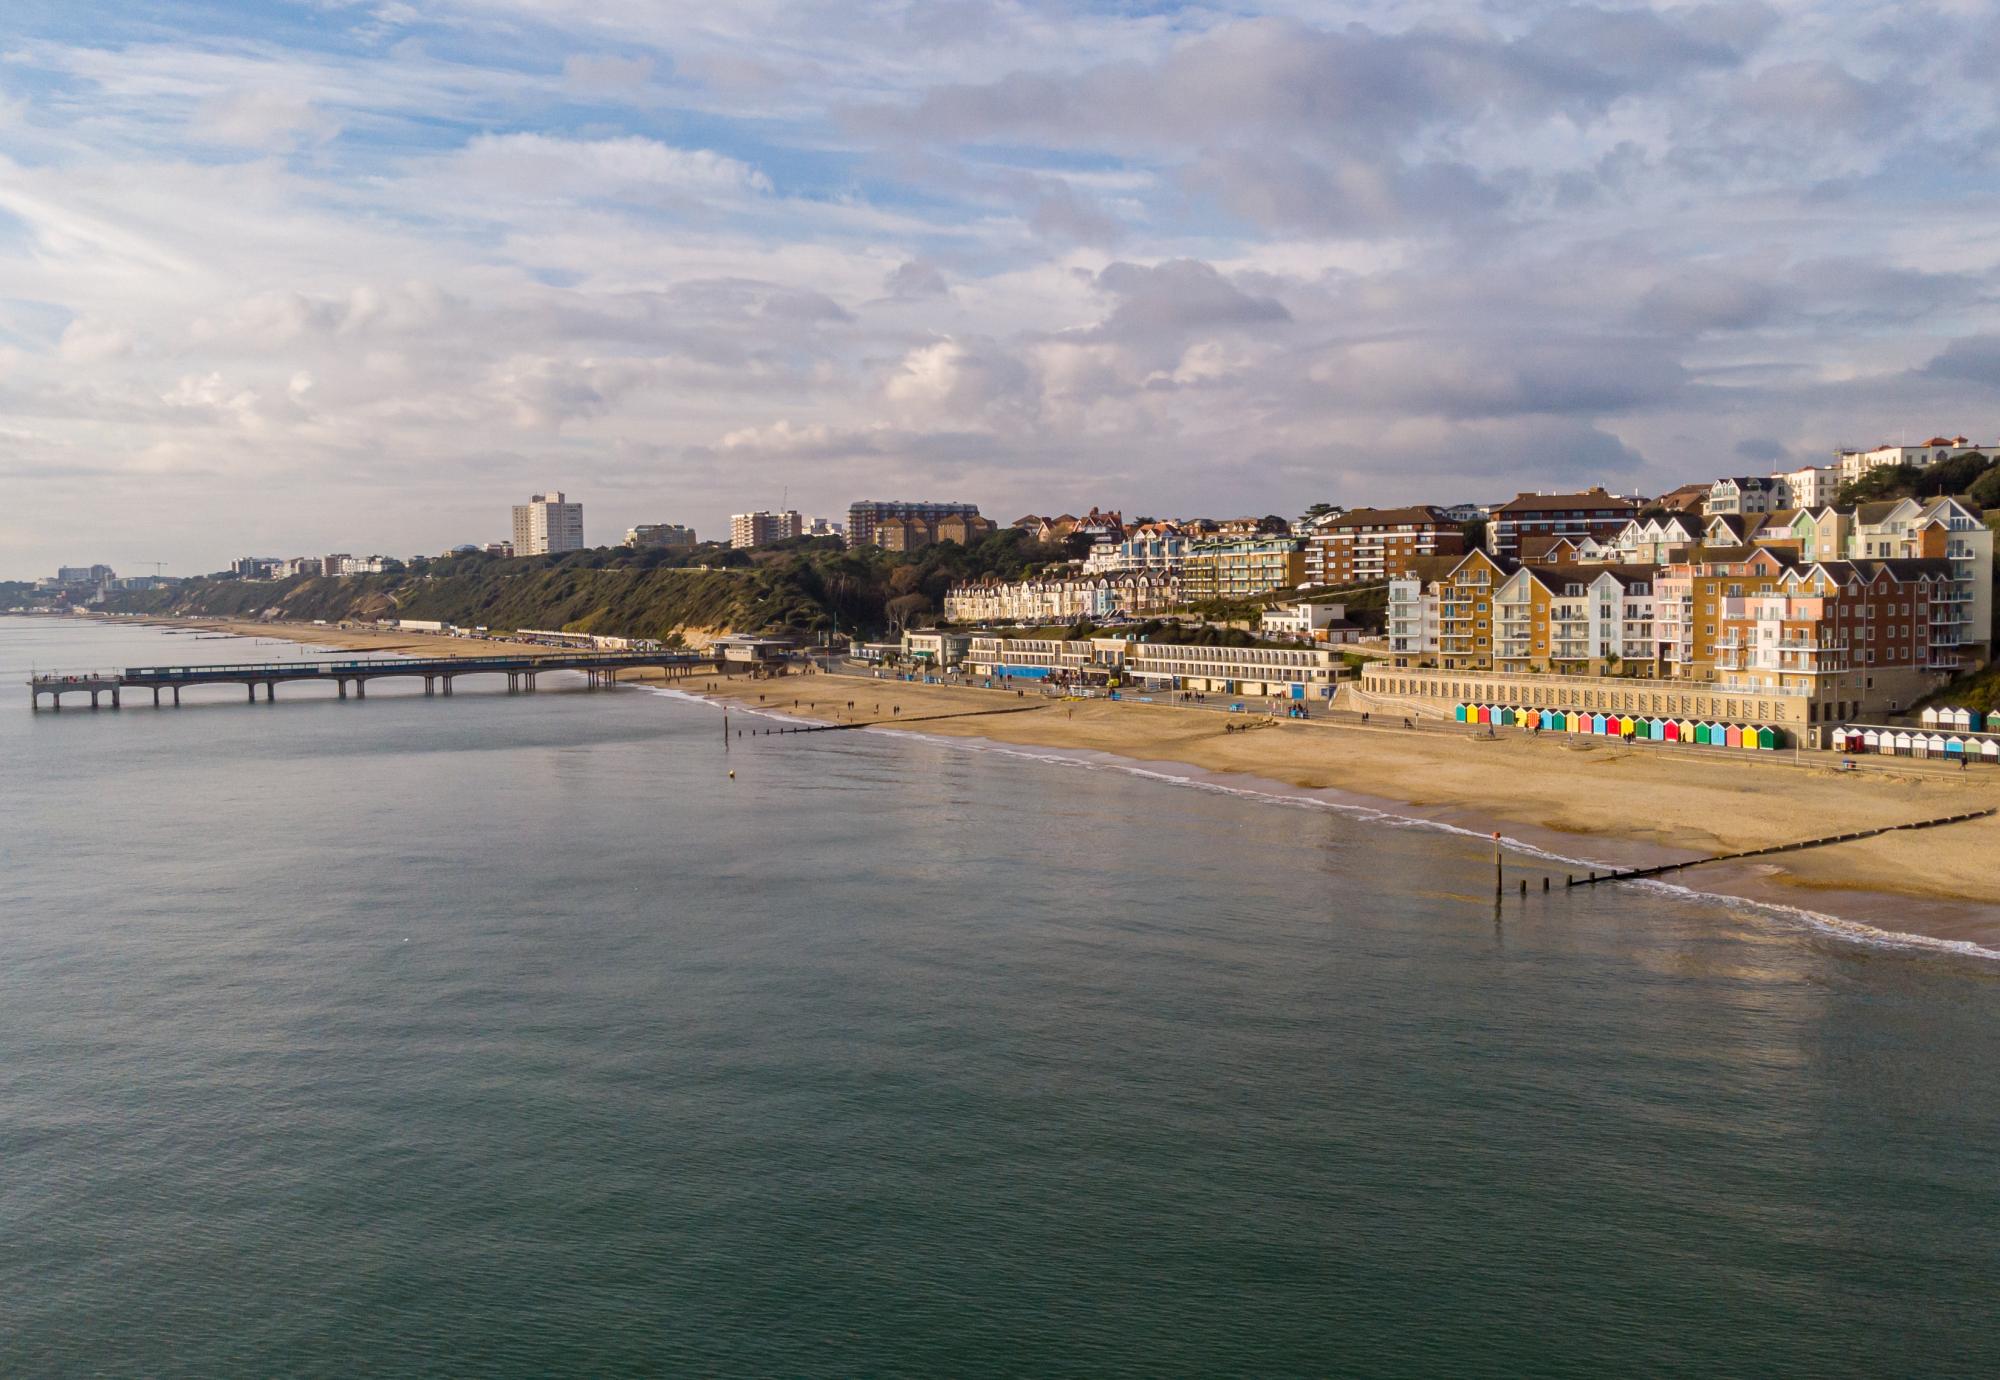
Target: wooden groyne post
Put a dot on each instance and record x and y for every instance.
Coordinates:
(1640, 873)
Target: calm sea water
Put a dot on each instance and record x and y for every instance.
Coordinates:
(508, 1036)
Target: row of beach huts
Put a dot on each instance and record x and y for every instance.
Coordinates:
(1754, 737)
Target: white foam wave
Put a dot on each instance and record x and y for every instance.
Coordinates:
(1853, 931)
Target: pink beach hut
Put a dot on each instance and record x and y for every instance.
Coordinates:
(1732, 736)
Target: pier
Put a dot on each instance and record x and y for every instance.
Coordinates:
(439, 674)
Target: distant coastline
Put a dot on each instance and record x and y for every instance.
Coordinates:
(1618, 806)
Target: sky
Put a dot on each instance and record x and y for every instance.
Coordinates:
(356, 275)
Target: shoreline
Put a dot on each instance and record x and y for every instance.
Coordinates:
(1930, 888)
(1597, 805)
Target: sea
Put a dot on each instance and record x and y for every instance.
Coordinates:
(558, 1034)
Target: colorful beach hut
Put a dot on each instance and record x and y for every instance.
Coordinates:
(1767, 739)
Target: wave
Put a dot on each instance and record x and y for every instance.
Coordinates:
(1851, 931)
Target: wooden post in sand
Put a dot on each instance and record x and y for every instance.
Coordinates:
(1499, 884)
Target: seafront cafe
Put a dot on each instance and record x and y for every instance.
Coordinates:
(1750, 737)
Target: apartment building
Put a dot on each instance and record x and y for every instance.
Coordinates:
(1853, 637)
(1812, 486)
(865, 518)
(1376, 544)
(1466, 620)
(1242, 569)
(1574, 619)
(1593, 513)
(762, 528)
(546, 524)
(668, 535)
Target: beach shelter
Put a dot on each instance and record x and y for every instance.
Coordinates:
(1701, 733)
(1871, 741)
(1673, 731)
(1597, 724)
(1930, 718)
(1961, 718)
(1767, 738)
(1659, 733)
(1920, 745)
(1732, 736)
(1627, 726)
(1901, 744)
(1954, 747)
(1549, 720)
(1839, 740)
(1506, 717)
(1989, 750)
(1483, 715)
(1458, 713)
(1937, 745)
(1993, 721)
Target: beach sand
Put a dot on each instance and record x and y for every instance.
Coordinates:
(1597, 795)
(1579, 796)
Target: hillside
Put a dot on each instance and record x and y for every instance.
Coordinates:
(803, 588)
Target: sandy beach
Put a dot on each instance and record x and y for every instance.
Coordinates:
(1624, 805)
(1679, 800)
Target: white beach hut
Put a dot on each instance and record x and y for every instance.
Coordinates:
(1901, 744)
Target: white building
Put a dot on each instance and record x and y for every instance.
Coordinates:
(547, 523)
(1812, 486)
(1754, 493)
(1412, 620)
(1062, 598)
(1853, 464)
(1156, 546)
(1295, 673)
(1309, 622)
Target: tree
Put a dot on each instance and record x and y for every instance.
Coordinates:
(900, 610)
(1474, 532)
(1985, 490)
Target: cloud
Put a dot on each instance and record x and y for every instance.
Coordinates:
(264, 118)
(1201, 257)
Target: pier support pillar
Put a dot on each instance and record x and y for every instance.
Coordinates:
(156, 697)
(270, 692)
(342, 683)
(93, 699)
(252, 689)
(531, 682)
(177, 697)
(114, 697)
(447, 683)
(360, 688)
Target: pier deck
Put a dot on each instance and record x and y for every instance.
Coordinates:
(437, 673)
